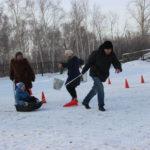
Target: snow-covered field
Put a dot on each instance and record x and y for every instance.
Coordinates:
(124, 126)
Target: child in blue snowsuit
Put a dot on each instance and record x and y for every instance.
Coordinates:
(25, 102)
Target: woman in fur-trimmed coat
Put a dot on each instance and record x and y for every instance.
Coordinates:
(21, 71)
(73, 65)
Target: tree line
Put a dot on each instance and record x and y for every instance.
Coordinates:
(42, 29)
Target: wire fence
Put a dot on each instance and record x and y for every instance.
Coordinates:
(49, 67)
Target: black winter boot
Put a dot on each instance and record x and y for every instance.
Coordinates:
(86, 106)
(102, 108)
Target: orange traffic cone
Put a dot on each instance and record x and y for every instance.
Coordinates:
(30, 92)
(43, 98)
(109, 82)
(142, 79)
(126, 84)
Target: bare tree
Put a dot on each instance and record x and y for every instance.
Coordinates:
(57, 16)
(112, 21)
(19, 16)
(4, 37)
(140, 11)
(99, 22)
(78, 15)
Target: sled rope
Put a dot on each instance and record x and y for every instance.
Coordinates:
(73, 79)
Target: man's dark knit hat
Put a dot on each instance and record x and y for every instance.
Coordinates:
(18, 53)
(108, 45)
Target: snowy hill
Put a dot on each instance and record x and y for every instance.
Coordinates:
(124, 126)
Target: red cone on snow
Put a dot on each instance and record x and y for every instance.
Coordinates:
(126, 84)
(43, 98)
(109, 81)
(72, 103)
(142, 79)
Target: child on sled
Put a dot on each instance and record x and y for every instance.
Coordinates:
(25, 102)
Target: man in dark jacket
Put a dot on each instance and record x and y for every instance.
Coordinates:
(21, 71)
(99, 63)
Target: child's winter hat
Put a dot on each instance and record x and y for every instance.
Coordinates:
(69, 52)
(20, 85)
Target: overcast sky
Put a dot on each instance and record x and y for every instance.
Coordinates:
(105, 4)
(117, 6)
